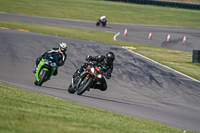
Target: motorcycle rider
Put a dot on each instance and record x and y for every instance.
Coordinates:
(58, 52)
(106, 62)
(102, 18)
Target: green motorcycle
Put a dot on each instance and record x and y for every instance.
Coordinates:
(45, 69)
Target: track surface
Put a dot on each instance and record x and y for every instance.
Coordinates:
(138, 87)
(136, 33)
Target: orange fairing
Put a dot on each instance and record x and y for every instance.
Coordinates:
(98, 69)
(88, 66)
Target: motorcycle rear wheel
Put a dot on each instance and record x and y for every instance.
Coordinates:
(84, 87)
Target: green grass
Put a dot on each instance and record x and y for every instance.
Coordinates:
(93, 9)
(23, 111)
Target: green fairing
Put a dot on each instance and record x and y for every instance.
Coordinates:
(40, 65)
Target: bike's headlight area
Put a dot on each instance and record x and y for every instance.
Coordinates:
(46, 61)
(92, 69)
(99, 76)
(53, 64)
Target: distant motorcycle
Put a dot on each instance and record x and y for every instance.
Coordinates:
(45, 69)
(88, 78)
(101, 22)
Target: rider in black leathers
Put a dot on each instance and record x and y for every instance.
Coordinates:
(58, 52)
(106, 62)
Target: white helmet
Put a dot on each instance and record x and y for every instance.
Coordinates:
(62, 47)
(104, 17)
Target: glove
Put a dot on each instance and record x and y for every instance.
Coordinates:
(88, 58)
(38, 59)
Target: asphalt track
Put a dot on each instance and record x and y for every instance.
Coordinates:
(138, 87)
(136, 33)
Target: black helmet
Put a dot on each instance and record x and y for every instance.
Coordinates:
(109, 57)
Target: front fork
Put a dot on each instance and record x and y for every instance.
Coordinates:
(80, 79)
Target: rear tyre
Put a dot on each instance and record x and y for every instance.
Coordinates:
(85, 86)
(71, 90)
(43, 77)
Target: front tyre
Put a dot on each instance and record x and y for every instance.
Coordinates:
(43, 77)
(84, 87)
(104, 24)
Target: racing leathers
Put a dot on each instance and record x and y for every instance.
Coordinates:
(107, 68)
(60, 56)
(103, 19)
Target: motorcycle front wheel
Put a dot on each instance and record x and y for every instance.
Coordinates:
(86, 85)
(104, 24)
(43, 76)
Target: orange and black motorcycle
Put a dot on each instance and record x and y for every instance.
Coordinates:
(88, 78)
(101, 22)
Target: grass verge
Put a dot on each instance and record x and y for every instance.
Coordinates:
(178, 60)
(115, 11)
(24, 111)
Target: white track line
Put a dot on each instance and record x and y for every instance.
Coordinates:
(116, 36)
(161, 65)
